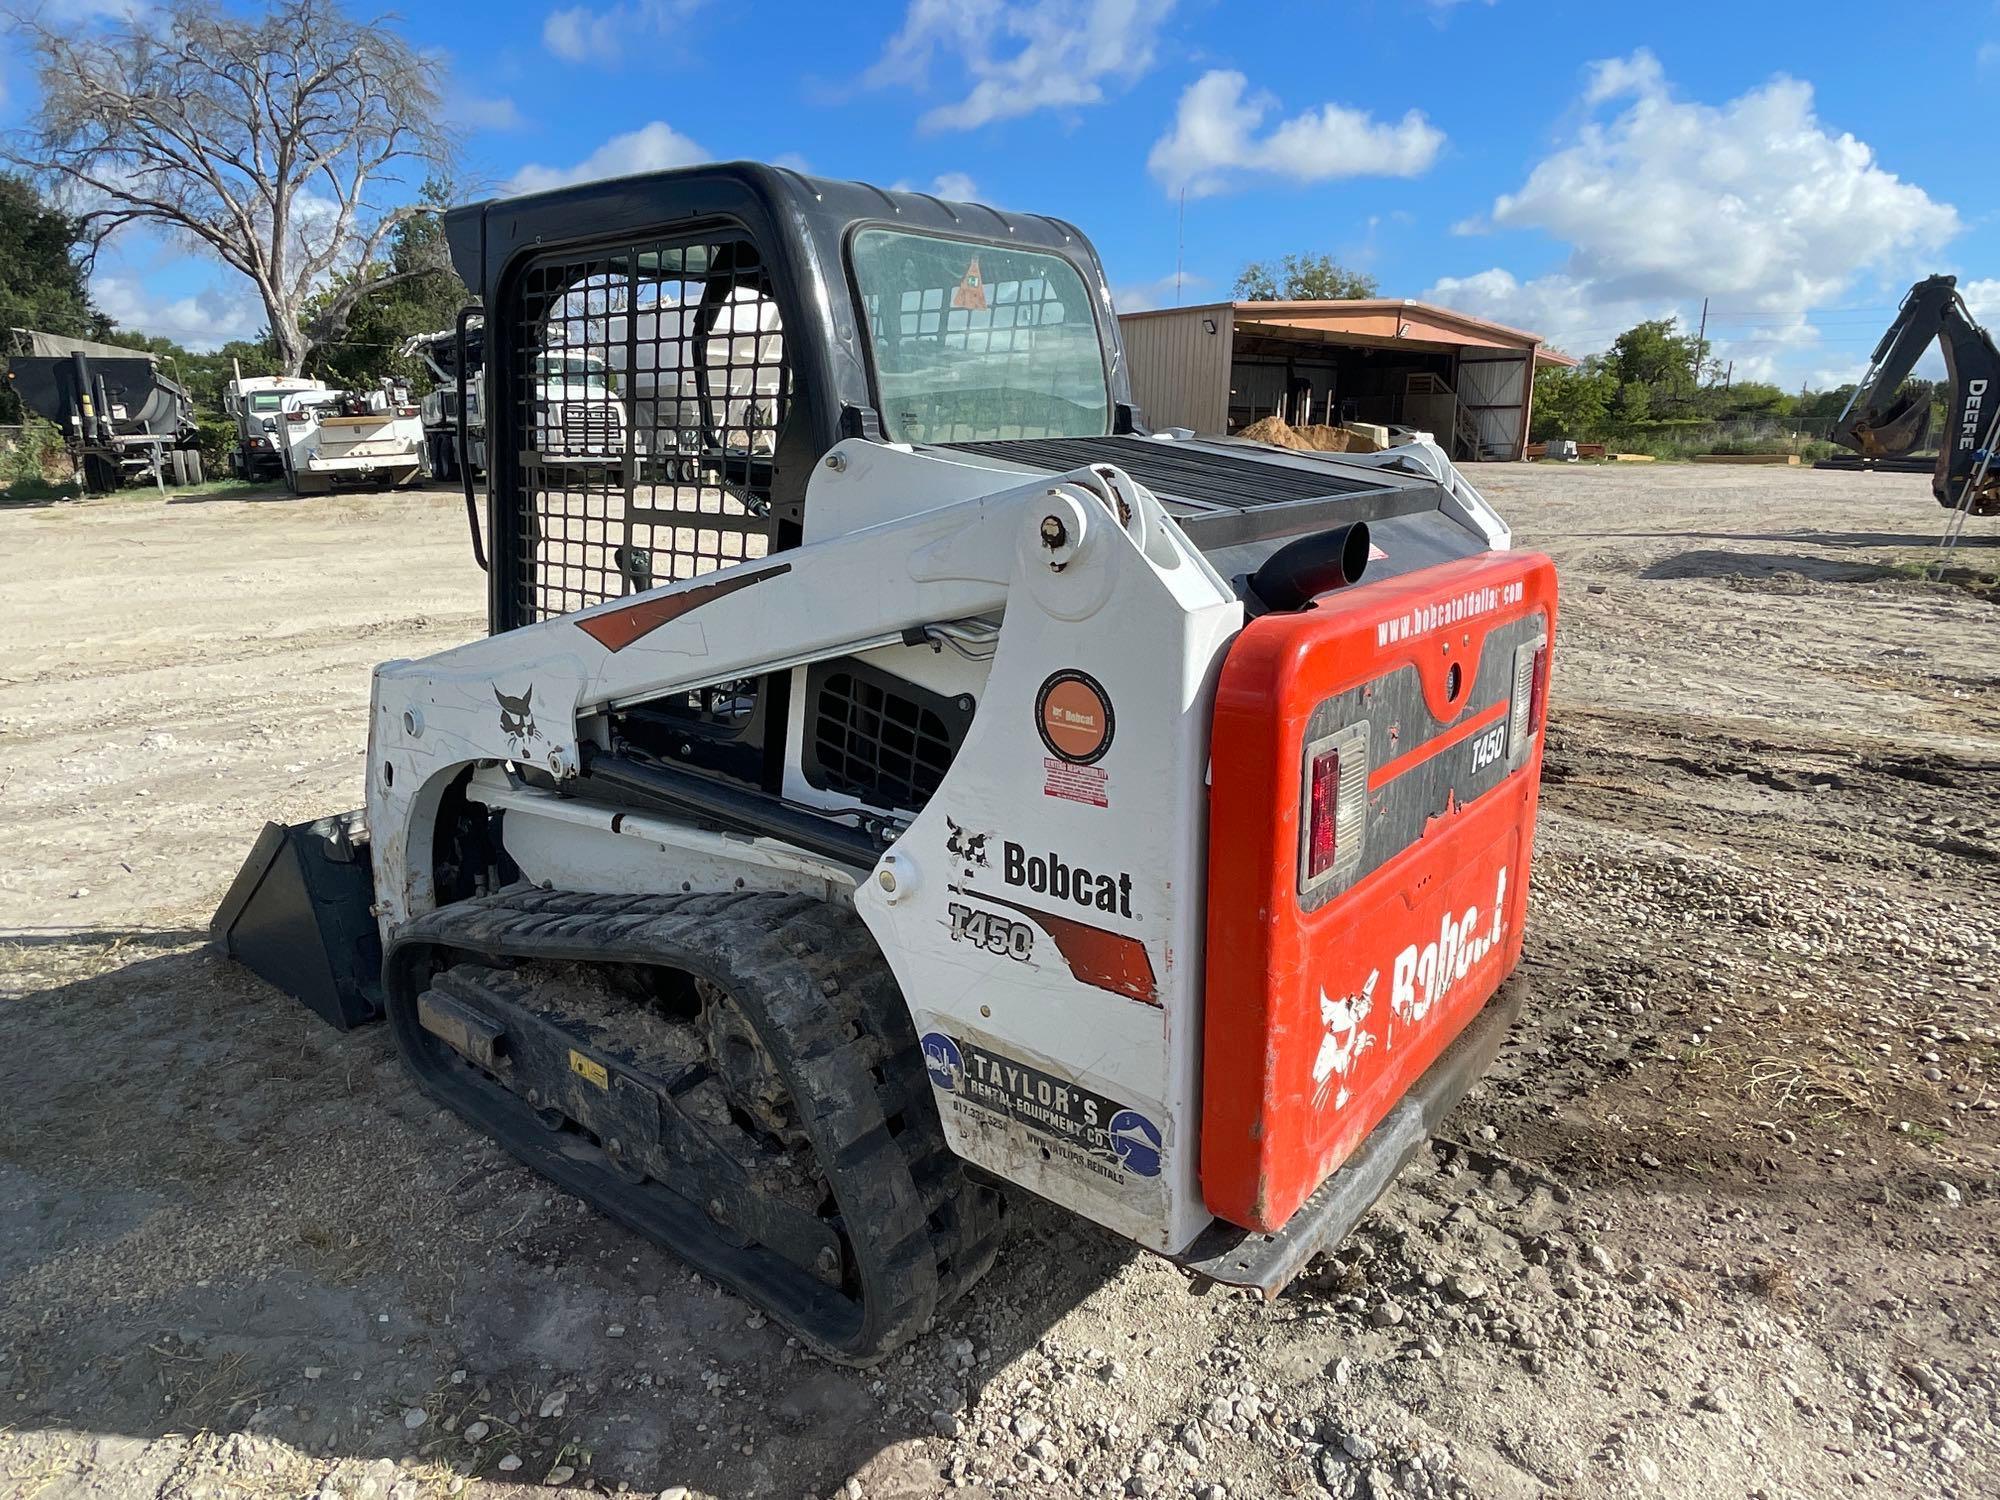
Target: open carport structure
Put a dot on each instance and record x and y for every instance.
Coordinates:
(1219, 367)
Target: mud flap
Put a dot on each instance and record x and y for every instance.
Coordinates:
(300, 916)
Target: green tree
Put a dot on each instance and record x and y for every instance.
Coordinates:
(42, 265)
(1754, 398)
(1303, 278)
(1656, 358)
(415, 291)
(1571, 403)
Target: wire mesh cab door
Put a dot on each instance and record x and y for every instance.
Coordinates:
(644, 387)
(643, 401)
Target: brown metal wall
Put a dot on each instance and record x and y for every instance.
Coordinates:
(1179, 370)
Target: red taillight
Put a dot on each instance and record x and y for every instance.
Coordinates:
(1320, 839)
(406, 411)
(295, 416)
(1538, 689)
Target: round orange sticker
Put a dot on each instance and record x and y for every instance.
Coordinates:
(1073, 713)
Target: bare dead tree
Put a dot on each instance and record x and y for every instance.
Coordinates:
(290, 145)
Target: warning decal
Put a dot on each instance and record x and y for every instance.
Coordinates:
(982, 1089)
(1086, 784)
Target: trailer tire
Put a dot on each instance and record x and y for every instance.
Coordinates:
(174, 467)
(197, 475)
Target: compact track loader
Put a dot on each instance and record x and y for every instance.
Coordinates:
(896, 778)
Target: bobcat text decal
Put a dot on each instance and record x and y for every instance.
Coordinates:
(1419, 980)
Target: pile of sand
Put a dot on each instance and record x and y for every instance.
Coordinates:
(1310, 439)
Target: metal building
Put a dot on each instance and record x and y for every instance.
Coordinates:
(1221, 366)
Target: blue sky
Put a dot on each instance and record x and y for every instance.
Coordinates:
(1567, 167)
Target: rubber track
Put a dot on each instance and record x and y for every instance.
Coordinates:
(839, 1031)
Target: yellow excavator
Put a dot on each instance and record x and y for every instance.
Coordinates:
(1881, 422)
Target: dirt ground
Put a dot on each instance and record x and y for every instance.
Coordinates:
(1721, 1223)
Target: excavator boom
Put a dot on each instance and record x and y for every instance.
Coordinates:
(1878, 422)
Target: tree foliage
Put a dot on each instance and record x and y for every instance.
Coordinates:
(1655, 357)
(415, 292)
(290, 145)
(1571, 403)
(42, 265)
(1303, 278)
(1645, 384)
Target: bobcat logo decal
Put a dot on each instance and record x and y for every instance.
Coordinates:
(517, 716)
(1346, 1039)
(969, 847)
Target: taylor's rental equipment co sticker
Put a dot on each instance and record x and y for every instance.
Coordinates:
(1040, 1112)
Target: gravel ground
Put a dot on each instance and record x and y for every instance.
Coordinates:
(1720, 1223)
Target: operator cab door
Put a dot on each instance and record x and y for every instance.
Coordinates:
(644, 398)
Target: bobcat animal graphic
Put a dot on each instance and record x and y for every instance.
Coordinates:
(1346, 1039)
(970, 847)
(517, 716)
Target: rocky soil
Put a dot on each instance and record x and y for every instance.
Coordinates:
(1722, 1221)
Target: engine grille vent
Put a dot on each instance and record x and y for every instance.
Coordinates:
(878, 738)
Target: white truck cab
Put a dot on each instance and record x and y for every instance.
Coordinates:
(256, 405)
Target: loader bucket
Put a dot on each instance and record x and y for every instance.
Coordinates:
(300, 916)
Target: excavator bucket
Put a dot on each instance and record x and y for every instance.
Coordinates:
(1904, 428)
(300, 916)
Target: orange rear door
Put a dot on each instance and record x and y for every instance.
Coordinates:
(1374, 771)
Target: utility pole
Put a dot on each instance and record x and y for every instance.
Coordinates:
(1729, 377)
(1180, 246)
(1700, 339)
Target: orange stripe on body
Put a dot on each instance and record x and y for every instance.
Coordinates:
(615, 629)
(1388, 771)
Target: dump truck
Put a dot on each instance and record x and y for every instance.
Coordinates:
(948, 791)
(455, 444)
(122, 420)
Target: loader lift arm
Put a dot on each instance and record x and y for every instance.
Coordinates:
(1878, 423)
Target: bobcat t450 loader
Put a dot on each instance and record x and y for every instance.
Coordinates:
(908, 780)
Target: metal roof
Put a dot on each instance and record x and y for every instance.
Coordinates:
(1375, 320)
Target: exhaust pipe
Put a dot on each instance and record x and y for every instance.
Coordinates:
(1299, 572)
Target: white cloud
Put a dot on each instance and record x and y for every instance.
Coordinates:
(1983, 297)
(957, 186)
(1143, 296)
(612, 34)
(487, 112)
(207, 319)
(1021, 56)
(1215, 142)
(1755, 204)
(652, 147)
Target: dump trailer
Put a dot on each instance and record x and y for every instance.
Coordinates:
(122, 420)
(945, 790)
